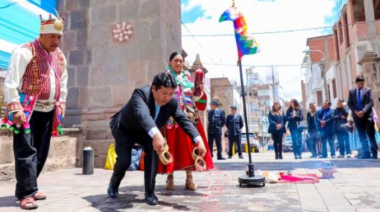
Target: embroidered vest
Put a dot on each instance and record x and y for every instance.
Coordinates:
(37, 73)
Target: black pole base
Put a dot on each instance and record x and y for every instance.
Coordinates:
(255, 181)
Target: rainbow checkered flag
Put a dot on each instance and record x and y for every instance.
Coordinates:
(245, 43)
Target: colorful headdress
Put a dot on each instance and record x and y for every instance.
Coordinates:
(52, 25)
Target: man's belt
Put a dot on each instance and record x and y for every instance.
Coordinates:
(45, 104)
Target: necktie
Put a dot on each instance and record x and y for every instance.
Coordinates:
(360, 107)
(157, 108)
(324, 113)
(234, 124)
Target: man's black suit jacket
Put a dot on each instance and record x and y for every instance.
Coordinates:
(136, 118)
(234, 124)
(367, 102)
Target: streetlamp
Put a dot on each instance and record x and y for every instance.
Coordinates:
(249, 72)
(322, 63)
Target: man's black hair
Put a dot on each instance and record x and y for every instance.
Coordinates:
(359, 79)
(164, 79)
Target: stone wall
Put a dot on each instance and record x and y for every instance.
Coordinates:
(64, 153)
(371, 73)
(104, 72)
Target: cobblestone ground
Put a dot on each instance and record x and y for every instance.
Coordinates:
(356, 187)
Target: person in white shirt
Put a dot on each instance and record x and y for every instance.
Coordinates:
(35, 89)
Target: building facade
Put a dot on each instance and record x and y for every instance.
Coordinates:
(227, 94)
(350, 51)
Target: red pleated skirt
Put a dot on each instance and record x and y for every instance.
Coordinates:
(181, 147)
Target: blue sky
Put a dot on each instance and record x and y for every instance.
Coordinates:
(191, 15)
(218, 53)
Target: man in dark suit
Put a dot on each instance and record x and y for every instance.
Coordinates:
(216, 121)
(360, 102)
(139, 121)
(324, 121)
(340, 116)
(234, 126)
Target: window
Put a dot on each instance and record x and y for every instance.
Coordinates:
(346, 33)
(336, 44)
(340, 33)
(328, 92)
(319, 98)
(252, 107)
(334, 88)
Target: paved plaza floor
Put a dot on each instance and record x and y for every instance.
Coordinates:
(356, 187)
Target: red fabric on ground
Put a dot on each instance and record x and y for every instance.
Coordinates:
(299, 178)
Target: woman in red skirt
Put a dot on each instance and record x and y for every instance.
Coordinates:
(180, 144)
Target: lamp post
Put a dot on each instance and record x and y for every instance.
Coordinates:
(249, 72)
(322, 64)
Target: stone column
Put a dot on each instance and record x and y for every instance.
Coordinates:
(370, 17)
(370, 65)
(104, 72)
(371, 23)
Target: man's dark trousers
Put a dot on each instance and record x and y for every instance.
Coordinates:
(218, 142)
(366, 127)
(234, 140)
(124, 144)
(31, 151)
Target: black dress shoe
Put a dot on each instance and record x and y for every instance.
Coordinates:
(112, 192)
(151, 199)
(221, 158)
(374, 156)
(229, 157)
(364, 157)
(241, 157)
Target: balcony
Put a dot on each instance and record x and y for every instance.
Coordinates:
(359, 31)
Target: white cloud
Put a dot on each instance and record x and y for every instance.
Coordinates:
(276, 49)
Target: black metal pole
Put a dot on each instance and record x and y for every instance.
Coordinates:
(88, 161)
(251, 172)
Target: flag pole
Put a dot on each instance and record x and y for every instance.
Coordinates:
(250, 179)
(245, 115)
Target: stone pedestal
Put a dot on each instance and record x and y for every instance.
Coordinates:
(104, 72)
(371, 73)
(64, 152)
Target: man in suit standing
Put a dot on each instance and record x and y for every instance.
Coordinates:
(325, 123)
(360, 102)
(216, 121)
(139, 121)
(340, 116)
(234, 126)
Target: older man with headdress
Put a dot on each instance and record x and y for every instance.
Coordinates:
(35, 89)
